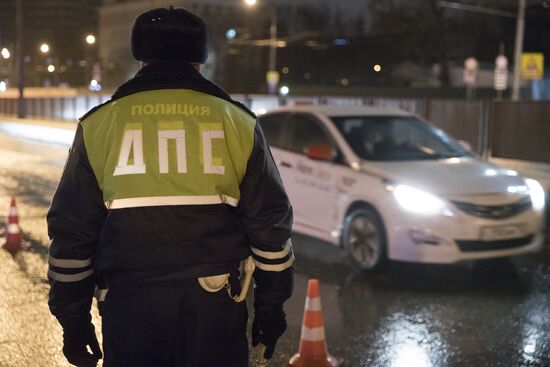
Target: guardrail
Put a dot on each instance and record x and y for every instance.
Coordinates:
(503, 129)
(54, 108)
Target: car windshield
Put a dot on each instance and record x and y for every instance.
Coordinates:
(396, 138)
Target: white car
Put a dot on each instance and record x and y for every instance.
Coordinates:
(384, 184)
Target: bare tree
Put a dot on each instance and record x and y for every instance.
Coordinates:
(425, 33)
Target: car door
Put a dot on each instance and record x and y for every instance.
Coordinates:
(311, 183)
(276, 130)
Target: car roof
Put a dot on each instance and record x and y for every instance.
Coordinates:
(336, 111)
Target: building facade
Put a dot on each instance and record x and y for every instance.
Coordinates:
(298, 21)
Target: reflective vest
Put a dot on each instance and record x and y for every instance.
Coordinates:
(152, 149)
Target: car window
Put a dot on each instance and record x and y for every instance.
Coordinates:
(406, 133)
(394, 138)
(274, 126)
(305, 132)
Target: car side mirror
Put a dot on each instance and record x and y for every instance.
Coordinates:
(465, 145)
(320, 152)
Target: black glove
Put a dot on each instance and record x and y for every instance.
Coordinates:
(77, 335)
(267, 328)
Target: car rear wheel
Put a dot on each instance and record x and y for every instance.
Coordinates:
(364, 239)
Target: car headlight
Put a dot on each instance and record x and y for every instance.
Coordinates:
(538, 196)
(418, 201)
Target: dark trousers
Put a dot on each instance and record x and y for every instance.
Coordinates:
(173, 326)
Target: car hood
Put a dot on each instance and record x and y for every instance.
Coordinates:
(454, 177)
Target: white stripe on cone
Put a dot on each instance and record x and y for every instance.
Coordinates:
(316, 334)
(13, 228)
(313, 304)
(13, 211)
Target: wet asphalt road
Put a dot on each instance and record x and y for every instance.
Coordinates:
(484, 314)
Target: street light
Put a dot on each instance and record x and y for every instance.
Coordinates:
(90, 39)
(5, 53)
(19, 29)
(272, 75)
(95, 86)
(51, 68)
(231, 34)
(44, 48)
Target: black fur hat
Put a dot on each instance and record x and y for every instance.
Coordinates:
(169, 34)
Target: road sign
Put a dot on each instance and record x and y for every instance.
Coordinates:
(470, 71)
(501, 79)
(501, 62)
(532, 65)
(501, 73)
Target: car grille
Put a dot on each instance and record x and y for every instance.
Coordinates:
(468, 246)
(495, 211)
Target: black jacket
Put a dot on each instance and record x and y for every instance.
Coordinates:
(99, 231)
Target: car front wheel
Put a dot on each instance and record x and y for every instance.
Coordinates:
(364, 239)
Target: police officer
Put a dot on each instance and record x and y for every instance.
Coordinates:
(168, 188)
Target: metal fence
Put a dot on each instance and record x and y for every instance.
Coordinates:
(521, 131)
(62, 108)
(462, 119)
(513, 130)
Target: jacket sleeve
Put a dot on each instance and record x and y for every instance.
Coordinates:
(75, 219)
(266, 215)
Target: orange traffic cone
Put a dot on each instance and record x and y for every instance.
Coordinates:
(13, 240)
(313, 346)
